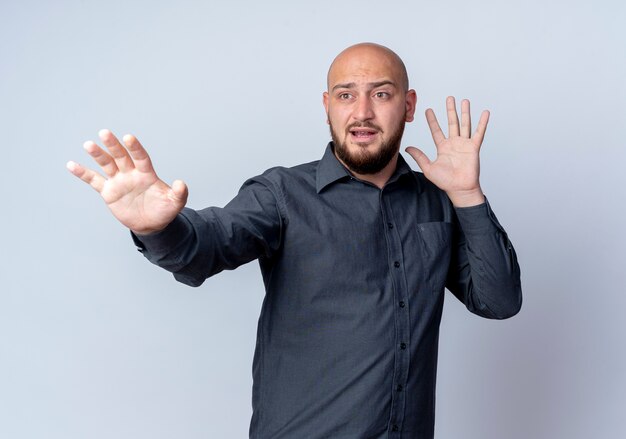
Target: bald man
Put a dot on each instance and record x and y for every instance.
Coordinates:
(355, 249)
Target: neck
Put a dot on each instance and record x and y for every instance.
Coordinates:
(378, 179)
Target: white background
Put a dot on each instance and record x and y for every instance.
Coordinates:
(95, 342)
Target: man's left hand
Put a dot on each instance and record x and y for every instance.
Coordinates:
(457, 167)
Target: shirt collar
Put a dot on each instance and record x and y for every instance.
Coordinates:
(329, 169)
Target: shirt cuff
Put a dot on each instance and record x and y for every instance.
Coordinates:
(478, 219)
(162, 241)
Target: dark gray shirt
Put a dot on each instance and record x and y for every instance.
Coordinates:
(354, 276)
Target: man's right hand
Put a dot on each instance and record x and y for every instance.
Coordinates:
(136, 196)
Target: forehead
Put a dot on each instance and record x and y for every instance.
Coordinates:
(364, 65)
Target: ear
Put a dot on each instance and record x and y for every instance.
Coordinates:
(410, 104)
(325, 100)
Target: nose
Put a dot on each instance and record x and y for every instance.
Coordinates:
(363, 110)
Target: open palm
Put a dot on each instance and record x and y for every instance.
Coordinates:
(132, 190)
(456, 169)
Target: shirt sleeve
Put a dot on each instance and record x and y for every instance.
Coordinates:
(484, 272)
(199, 244)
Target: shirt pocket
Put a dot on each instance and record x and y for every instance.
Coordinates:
(436, 249)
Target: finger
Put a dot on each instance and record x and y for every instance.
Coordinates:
(435, 129)
(453, 118)
(479, 134)
(180, 190)
(420, 158)
(138, 153)
(90, 177)
(103, 159)
(466, 121)
(118, 152)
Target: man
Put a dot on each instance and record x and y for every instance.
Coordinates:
(355, 252)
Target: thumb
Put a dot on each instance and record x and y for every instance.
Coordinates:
(180, 191)
(420, 158)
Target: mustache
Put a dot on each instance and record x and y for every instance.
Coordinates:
(363, 125)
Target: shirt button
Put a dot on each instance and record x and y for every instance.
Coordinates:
(401, 304)
(390, 225)
(402, 345)
(399, 388)
(396, 264)
(395, 428)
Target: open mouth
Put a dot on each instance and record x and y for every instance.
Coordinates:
(363, 134)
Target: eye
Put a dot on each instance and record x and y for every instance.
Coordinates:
(382, 95)
(344, 96)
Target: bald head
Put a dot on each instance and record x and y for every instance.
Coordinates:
(367, 58)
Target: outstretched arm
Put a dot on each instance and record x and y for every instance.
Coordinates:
(456, 169)
(191, 244)
(131, 188)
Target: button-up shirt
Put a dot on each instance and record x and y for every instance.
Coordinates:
(354, 276)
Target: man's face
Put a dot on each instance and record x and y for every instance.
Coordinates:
(367, 106)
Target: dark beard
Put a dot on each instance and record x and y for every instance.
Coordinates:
(364, 163)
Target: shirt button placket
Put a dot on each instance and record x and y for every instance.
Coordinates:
(400, 373)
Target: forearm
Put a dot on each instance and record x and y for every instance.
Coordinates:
(199, 244)
(485, 273)
(170, 248)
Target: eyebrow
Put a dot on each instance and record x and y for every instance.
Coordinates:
(371, 84)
